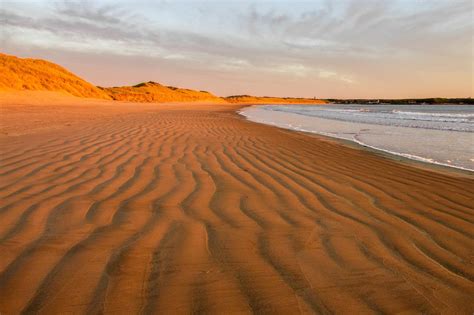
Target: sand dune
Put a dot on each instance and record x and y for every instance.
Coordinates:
(180, 209)
(154, 92)
(36, 74)
(26, 74)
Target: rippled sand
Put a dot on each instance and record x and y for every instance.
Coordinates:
(185, 208)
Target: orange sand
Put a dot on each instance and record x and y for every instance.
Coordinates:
(183, 208)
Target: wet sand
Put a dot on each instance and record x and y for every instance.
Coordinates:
(143, 208)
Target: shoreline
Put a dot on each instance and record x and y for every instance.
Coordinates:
(402, 157)
(189, 208)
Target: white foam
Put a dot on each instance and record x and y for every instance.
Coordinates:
(411, 156)
(280, 121)
(454, 115)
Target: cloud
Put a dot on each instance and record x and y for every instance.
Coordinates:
(326, 74)
(91, 13)
(332, 75)
(330, 42)
(354, 29)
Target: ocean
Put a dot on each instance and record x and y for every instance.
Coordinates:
(440, 134)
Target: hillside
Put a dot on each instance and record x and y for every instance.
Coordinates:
(155, 92)
(35, 74)
(27, 74)
(248, 99)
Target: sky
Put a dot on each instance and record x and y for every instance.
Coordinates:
(319, 48)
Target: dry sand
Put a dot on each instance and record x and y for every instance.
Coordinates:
(182, 208)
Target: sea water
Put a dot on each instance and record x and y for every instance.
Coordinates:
(440, 134)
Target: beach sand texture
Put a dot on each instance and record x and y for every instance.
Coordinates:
(182, 208)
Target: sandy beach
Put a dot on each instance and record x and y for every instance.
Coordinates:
(164, 208)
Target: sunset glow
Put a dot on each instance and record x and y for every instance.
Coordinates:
(324, 49)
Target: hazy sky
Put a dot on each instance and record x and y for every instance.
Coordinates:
(339, 48)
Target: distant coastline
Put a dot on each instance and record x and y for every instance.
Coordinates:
(406, 101)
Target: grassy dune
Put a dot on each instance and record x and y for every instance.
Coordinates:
(36, 74)
(26, 74)
(150, 92)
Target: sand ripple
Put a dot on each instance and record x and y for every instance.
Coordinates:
(200, 211)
